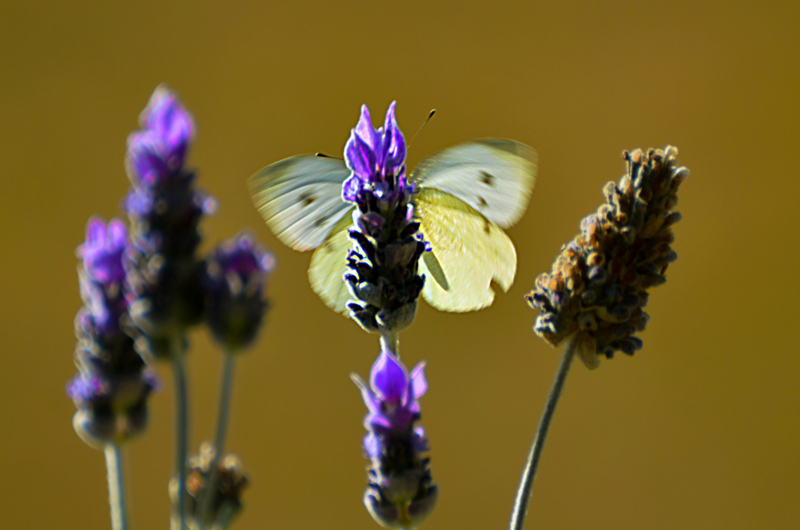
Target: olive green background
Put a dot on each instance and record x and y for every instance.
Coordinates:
(698, 431)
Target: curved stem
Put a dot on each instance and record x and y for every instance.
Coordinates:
(116, 487)
(391, 342)
(181, 428)
(226, 384)
(529, 473)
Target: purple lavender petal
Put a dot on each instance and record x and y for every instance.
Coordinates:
(103, 251)
(350, 188)
(372, 445)
(369, 398)
(394, 143)
(165, 116)
(365, 131)
(83, 388)
(360, 158)
(145, 159)
(419, 384)
(388, 379)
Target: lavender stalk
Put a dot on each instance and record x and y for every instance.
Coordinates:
(181, 430)
(525, 488)
(165, 275)
(116, 487)
(384, 283)
(597, 289)
(112, 384)
(236, 277)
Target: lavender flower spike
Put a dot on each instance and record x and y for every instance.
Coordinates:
(237, 273)
(164, 209)
(382, 274)
(599, 284)
(400, 494)
(112, 384)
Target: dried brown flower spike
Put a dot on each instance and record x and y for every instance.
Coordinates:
(599, 283)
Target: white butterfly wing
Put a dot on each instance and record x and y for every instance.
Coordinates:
(300, 198)
(493, 175)
(468, 254)
(328, 265)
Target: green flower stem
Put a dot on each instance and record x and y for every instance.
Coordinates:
(116, 487)
(181, 428)
(391, 342)
(529, 473)
(226, 384)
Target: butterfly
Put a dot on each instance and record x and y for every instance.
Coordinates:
(467, 194)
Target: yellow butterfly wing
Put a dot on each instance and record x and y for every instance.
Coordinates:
(468, 192)
(328, 265)
(468, 253)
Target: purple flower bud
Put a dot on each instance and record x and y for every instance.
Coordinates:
(103, 251)
(237, 273)
(376, 158)
(158, 151)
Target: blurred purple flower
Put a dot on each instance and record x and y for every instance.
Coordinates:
(164, 209)
(103, 251)
(159, 150)
(112, 384)
(237, 273)
(400, 493)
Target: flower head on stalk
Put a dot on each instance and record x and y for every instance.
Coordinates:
(226, 503)
(237, 273)
(382, 274)
(112, 384)
(599, 283)
(164, 209)
(400, 494)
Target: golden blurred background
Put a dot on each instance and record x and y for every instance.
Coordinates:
(699, 430)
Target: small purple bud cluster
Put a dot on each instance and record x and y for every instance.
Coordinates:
(599, 283)
(400, 493)
(236, 276)
(230, 483)
(382, 269)
(164, 209)
(112, 384)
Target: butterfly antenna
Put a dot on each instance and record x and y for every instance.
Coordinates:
(430, 115)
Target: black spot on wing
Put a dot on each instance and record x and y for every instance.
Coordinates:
(319, 221)
(482, 202)
(307, 199)
(487, 226)
(487, 178)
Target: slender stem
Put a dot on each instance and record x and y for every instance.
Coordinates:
(116, 487)
(225, 517)
(391, 342)
(529, 473)
(181, 427)
(226, 384)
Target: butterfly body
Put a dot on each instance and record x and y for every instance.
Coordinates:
(466, 195)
